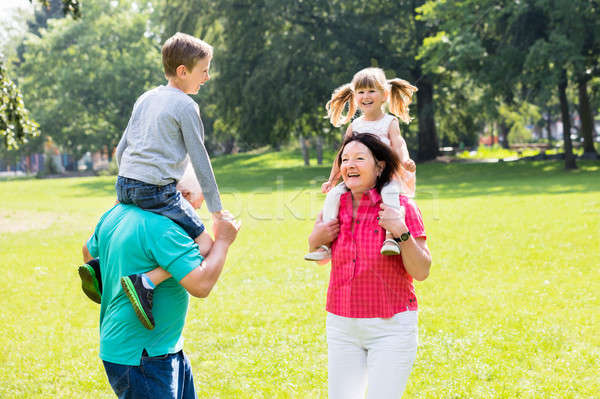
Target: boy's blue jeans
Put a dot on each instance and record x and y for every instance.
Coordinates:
(160, 377)
(164, 200)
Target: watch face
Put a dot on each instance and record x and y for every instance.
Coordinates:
(404, 236)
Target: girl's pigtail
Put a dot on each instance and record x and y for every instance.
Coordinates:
(401, 93)
(335, 107)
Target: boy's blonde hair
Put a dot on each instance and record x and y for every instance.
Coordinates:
(183, 49)
(400, 95)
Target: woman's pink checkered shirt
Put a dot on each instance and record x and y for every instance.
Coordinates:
(363, 283)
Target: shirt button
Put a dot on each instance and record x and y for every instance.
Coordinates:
(357, 222)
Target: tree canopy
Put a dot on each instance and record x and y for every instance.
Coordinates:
(480, 65)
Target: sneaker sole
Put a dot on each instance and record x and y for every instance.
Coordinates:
(89, 283)
(389, 252)
(135, 302)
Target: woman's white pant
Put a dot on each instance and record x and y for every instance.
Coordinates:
(373, 354)
(390, 195)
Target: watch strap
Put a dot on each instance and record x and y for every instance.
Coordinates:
(403, 237)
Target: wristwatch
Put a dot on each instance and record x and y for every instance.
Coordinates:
(403, 237)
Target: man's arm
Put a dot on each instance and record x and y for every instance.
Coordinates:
(200, 281)
(86, 253)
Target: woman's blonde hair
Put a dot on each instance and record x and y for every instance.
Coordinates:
(400, 95)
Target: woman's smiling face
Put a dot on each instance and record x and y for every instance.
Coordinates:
(359, 168)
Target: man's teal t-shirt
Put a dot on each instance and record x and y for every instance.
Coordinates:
(129, 240)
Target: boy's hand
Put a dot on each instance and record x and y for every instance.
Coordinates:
(409, 165)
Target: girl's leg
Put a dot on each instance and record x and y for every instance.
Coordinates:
(330, 211)
(392, 350)
(331, 206)
(347, 360)
(390, 195)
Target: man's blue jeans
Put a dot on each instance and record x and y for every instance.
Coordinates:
(160, 377)
(164, 200)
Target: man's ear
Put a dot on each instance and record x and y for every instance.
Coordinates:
(187, 194)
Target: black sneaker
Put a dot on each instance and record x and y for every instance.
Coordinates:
(140, 297)
(91, 283)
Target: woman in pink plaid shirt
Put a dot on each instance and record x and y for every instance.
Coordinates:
(371, 303)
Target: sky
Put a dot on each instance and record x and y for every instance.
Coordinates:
(13, 17)
(8, 4)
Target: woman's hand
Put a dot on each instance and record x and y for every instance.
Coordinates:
(392, 219)
(323, 232)
(414, 252)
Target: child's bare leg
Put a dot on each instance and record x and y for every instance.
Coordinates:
(158, 275)
(205, 243)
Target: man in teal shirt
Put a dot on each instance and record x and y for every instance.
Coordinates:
(128, 240)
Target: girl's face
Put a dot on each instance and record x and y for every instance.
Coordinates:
(359, 168)
(370, 100)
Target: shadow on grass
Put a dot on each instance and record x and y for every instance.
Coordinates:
(506, 179)
(98, 186)
(242, 174)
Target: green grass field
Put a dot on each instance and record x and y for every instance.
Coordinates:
(511, 308)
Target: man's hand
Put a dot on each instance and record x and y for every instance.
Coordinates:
(225, 227)
(200, 281)
(193, 197)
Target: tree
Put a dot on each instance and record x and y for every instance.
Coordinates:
(16, 126)
(507, 48)
(282, 59)
(81, 90)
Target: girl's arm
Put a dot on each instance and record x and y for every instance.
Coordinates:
(335, 169)
(399, 146)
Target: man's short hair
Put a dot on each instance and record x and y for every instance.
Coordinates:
(183, 49)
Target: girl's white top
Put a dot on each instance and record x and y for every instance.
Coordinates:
(380, 127)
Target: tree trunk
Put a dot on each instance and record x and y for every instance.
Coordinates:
(428, 141)
(229, 145)
(587, 121)
(566, 120)
(549, 127)
(504, 130)
(319, 141)
(304, 151)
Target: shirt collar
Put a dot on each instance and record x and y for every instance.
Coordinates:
(373, 195)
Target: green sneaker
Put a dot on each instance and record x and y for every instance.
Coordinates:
(140, 298)
(91, 283)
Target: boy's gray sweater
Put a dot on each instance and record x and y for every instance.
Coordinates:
(165, 127)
